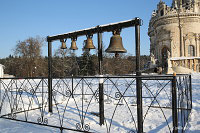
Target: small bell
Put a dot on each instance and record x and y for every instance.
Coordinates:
(73, 45)
(89, 43)
(63, 46)
(116, 45)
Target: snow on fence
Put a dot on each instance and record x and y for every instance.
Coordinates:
(166, 103)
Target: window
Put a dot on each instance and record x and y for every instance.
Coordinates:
(191, 50)
(162, 12)
(164, 56)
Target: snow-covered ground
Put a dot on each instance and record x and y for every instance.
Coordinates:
(70, 111)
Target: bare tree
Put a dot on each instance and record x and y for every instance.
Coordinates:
(64, 63)
(30, 51)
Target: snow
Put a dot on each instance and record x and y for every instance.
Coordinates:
(184, 58)
(92, 28)
(121, 112)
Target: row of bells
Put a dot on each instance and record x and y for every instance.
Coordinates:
(115, 46)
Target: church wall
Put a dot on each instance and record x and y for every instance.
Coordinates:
(177, 30)
(165, 36)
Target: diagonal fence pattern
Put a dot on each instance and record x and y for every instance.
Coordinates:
(76, 103)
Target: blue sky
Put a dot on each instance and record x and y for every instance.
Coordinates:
(21, 19)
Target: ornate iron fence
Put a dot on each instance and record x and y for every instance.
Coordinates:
(166, 103)
(184, 97)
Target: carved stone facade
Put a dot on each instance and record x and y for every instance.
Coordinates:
(175, 29)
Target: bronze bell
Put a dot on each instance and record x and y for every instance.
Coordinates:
(73, 45)
(89, 43)
(116, 45)
(63, 46)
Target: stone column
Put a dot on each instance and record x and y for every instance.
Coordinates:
(190, 63)
(186, 63)
(194, 65)
(184, 49)
(197, 46)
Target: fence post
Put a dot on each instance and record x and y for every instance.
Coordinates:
(139, 102)
(101, 94)
(138, 74)
(174, 105)
(72, 86)
(190, 91)
(50, 75)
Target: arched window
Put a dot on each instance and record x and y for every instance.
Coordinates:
(164, 52)
(162, 12)
(164, 56)
(191, 50)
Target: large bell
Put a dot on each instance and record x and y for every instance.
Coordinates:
(63, 46)
(89, 44)
(73, 45)
(116, 45)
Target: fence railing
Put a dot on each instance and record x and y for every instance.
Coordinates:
(167, 103)
(184, 97)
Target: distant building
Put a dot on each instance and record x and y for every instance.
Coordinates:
(175, 34)
(2, 70)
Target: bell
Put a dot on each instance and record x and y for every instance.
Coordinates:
(89, 44)
(63, 46)
(116, 45)
(73, 45)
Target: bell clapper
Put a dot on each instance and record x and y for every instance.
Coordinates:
(116, 55)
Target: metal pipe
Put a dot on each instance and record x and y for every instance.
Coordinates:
(101, 92)
(137, 41)
(190, 78)
(72, 86)
(138, 78)
(100, 54)
(174, 105)
(139, 103)
(50, 76)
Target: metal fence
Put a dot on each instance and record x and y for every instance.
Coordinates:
(79, 106)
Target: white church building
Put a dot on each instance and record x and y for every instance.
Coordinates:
(1, 70)
(174, 33)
